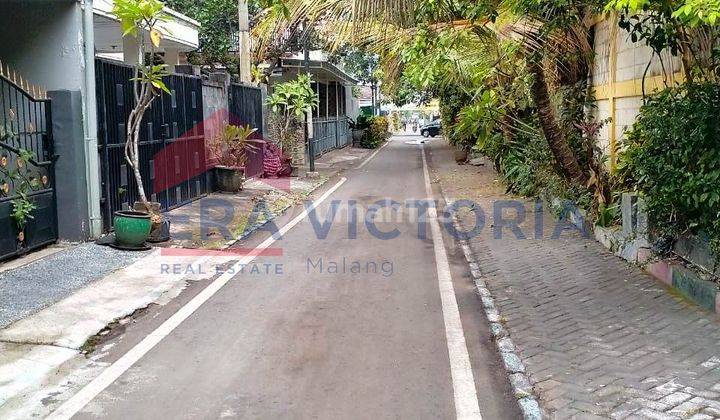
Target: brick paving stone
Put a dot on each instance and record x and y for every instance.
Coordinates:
(608, 338)
(587, 416)
(589, 327)
(712, 412)
(675, 398)
(701, 416)
(686, 409)
(656, 415)
(625, 409)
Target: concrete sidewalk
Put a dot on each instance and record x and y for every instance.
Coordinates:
(598, 337)
(29, 288)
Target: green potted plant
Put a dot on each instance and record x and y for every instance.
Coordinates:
(291, 102)
(230, 152)
(138, 18)
(359, 127)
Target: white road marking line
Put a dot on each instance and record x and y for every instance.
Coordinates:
(369, 158)
(78, 401)
(466, 401)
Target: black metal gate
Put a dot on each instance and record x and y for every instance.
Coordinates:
(172, 146)
(27, 170)
(245, 107)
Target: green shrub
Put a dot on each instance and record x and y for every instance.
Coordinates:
(376, 133)
(363, 121)
(527, 167)
(452, 101)
(672, 156)
(522, 159)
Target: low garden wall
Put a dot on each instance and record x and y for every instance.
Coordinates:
(691, 268)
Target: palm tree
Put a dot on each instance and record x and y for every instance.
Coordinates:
(554, 135)
(385, 27)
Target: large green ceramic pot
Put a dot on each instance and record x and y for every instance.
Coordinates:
(132, 228)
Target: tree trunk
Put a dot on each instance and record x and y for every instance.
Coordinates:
(557, 140)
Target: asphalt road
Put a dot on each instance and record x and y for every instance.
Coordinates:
(288, 339)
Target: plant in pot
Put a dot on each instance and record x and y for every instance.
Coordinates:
(359, 127)
(230, 152)
(291, 102)
(138, 18)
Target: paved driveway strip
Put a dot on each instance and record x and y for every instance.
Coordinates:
(32, 287)
(296, 338)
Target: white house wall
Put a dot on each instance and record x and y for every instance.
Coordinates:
(180, 32)
(352, 105)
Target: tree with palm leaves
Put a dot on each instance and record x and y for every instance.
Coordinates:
(548, 32)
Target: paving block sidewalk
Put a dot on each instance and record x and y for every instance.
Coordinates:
(599, 338)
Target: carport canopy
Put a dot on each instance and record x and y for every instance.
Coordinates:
(180, 34)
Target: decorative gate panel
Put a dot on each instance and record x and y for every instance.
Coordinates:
(172, 144)
(28, 210)
(245, 107)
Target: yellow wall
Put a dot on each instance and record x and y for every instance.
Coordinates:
(617, 80)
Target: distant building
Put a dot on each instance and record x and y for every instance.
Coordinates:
(334, 89)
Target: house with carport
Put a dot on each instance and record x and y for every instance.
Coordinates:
(63, 95)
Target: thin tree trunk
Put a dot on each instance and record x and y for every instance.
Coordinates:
(686, 55)
(557, 140)
(132, 143)
(143, 97)
(136, 158)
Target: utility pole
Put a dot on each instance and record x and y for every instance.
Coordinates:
(378, 100)
(244, 41)
(308, 124)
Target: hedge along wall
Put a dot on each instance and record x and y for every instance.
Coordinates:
(617, 80)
